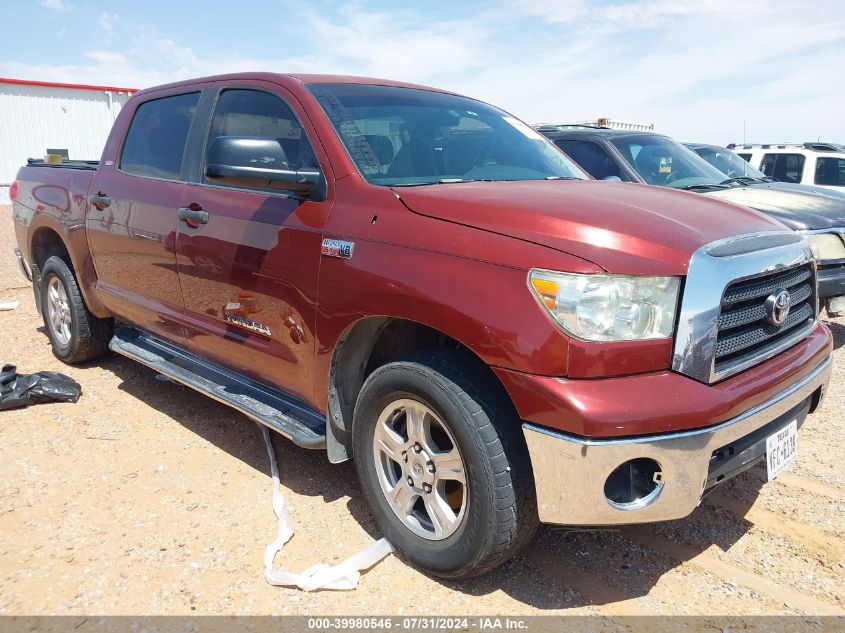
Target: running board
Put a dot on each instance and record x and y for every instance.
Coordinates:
(302, 425)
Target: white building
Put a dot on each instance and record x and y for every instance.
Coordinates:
(36, 116)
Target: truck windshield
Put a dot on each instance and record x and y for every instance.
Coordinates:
(405, 136)
(727, 162)
(661, 161)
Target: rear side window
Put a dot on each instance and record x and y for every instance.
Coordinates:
(155, 143)
(830, 171)
(783, 167)
(745, 157)
(592, 157)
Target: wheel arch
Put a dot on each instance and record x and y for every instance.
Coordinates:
(47, 241)
(366, 345)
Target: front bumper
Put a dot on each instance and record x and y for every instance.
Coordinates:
(570, 472)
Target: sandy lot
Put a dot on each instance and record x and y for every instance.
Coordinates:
(148, 498)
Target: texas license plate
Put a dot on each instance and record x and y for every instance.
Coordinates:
(781, 448)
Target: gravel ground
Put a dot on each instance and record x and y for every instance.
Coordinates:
(148, 498)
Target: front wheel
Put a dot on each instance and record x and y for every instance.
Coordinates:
(442, 461)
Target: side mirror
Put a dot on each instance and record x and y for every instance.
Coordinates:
(260, 162)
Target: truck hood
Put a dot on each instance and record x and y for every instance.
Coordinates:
(623, 228)
(797, 209)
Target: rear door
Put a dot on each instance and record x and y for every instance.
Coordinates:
(249, 273)
(132, 222)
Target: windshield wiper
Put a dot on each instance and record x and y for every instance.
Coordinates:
(742, 180)
(442, 181)
(710, 186)
(562, 178)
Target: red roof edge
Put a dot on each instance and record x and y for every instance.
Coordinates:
(56, 84)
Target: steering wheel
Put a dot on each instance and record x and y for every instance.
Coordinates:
(672, 176)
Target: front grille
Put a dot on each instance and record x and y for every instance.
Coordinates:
(744, 331)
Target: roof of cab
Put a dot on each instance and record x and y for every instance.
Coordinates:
(282, 78)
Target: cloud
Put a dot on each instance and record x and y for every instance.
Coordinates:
(395, 44)
(107, 21)
(62, 6)
(106, 58)
(696, 70)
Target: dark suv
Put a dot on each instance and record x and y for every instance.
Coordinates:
(655, 159)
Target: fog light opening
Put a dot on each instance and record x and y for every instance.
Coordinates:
(634, 484)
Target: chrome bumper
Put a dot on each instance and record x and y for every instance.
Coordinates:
(22, 264)
(570, 472)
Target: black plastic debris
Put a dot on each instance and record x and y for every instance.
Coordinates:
(22, 390)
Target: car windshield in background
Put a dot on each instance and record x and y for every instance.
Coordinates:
(661, 161)
(405, 136)
(729, 163)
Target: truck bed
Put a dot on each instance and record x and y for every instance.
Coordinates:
(88, 165)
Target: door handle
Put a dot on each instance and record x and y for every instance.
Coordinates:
(192, 217)
(100, 200)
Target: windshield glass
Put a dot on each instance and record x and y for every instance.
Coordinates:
(405, 136)
(661, 161)
(727, 162)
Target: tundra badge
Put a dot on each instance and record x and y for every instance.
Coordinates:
(337, 248)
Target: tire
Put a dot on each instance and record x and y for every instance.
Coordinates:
(493, 513)
(75, 334)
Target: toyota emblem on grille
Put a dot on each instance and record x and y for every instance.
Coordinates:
(777, 306)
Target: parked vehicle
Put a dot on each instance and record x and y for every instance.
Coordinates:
(819, 164)
(655, 159)
(615, 124)
(421, 282)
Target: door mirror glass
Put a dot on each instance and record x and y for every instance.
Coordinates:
(256, 162)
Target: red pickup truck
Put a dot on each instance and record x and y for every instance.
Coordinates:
(421, 282)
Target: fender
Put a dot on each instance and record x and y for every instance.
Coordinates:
(42, 207)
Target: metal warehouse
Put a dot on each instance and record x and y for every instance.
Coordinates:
(72, 120)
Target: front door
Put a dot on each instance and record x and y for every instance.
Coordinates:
(131, 225)
(248, 271)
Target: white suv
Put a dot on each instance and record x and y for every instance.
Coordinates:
(819, 164)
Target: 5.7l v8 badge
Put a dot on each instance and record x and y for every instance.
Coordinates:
(337, 248)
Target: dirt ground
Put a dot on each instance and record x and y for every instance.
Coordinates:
(148, 498)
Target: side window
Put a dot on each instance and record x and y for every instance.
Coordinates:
(830, 171)
(745, 157)
(767, 165)
(254, 114)
(592, 157)
(783, 167)
(155, 143)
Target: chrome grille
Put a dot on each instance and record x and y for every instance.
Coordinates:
(744, 330)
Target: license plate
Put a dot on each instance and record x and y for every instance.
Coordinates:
(781, 448)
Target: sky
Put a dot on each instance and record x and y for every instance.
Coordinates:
(713, 71)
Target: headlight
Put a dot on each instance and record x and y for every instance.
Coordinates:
(826, 246)
(608, 307)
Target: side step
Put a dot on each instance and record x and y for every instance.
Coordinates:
(299, 423)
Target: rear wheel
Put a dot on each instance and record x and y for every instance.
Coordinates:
(441, 459)
(75, 334)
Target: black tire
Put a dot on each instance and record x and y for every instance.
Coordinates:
(89, 335)
(501, 512)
